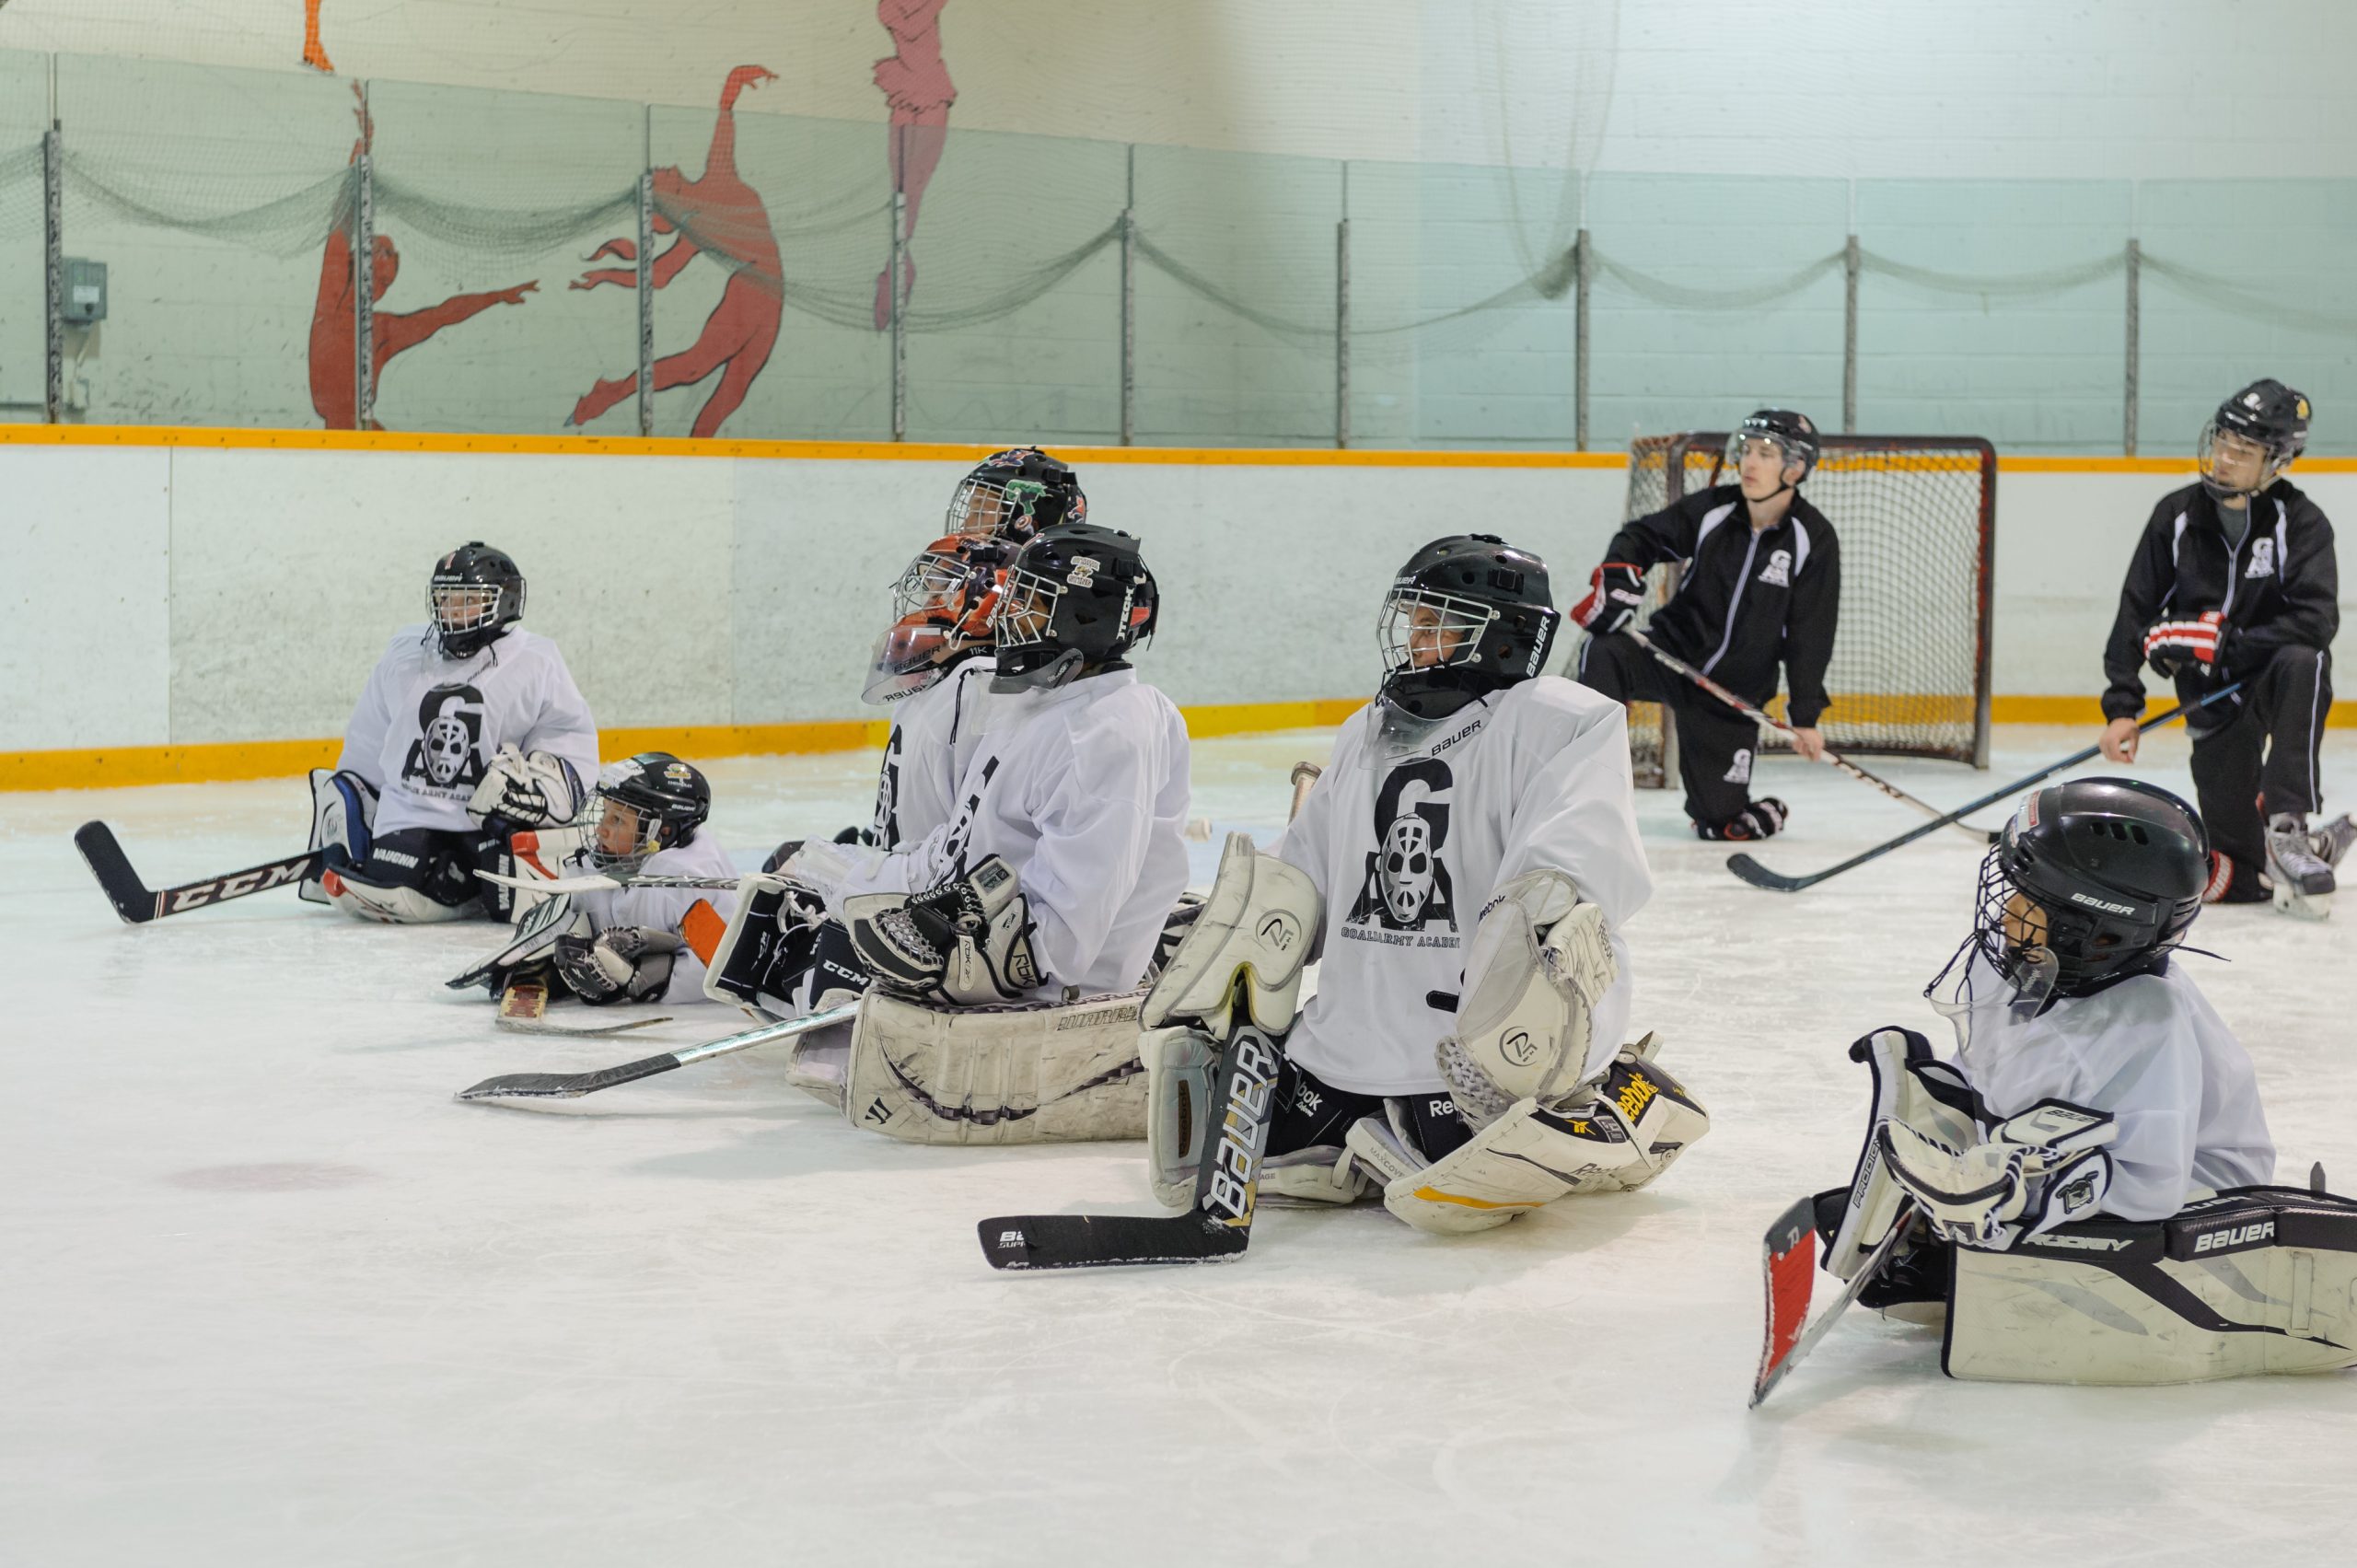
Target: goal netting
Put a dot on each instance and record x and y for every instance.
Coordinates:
(1917, 519)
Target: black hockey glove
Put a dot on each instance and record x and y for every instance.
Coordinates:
(1615, 592)
(629, 963)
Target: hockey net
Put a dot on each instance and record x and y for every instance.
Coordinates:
(1917, 519)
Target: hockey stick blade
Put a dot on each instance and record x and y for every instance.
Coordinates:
(584, 1031)
(572, 1086)
(138, 904)
(1788, 1290)
(1759, 875)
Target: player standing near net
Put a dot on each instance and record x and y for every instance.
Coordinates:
(469, 732)
(2091, 1081)
(1474, 832)
(2235, 580)
(1754, 597)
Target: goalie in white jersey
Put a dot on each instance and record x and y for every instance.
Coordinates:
(2083, 1186)
(469, 734)
(1473, 859)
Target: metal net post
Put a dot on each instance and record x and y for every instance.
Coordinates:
(364, 293)
(1850, 268)
(1130, 305)
(646, 277)
(1583, 257)
(52, 177)
(2129, 393)
(900, 325)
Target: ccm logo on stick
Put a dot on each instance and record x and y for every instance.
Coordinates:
(235, 886)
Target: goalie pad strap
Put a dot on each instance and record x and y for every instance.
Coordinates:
(1027, 1074)
(1257, 924)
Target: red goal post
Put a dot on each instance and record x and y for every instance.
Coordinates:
(1917, 520)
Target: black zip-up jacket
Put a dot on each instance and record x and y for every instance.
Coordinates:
(2280, 586)
(1749, 602)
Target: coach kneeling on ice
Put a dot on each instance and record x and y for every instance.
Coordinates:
(1001, 954)
(2085, 1185)
(1474, 797)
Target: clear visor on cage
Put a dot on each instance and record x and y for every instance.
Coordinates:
(910, 656)
(2234, 463)
(620, 834)
(992, 505)
(463, 607)
(1420, 628)
(1028, 612)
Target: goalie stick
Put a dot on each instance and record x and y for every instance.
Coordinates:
(1788, 1259)
(1759, 875)
(1678, 665)
(138, 904)
(572, 1086)
(524, 1010)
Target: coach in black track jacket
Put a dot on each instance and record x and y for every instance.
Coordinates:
(1762, 590)
(2236, 579)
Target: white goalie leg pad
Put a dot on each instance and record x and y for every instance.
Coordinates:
(1658, 1114)
(343, 818)
(1258, 922)
(2254, 1280)
(1539, 963)
(2044, 1167)
(1027, 1074)
(966, 943)
(1521, 1161)
(1911, 1087)
(391, 905)
(1181, 1075)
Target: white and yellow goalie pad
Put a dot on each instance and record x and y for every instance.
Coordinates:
(1259, 923)
(1615, 1139)
(1026, 1072)
(2254, 1280)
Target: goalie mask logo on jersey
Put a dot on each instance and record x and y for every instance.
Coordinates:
(447, 753)
(1406, 885)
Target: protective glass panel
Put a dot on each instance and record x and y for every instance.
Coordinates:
(2245, 278)
(1461, 309)
(486, 205)
(770, 305)
(1236, 298)
(24, 115)
(1994, 308)
(217, 237)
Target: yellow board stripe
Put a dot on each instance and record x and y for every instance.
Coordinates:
(242, 439)
(110, 767)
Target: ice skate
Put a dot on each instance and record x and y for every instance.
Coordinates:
(2303, 877)
(2332, 840)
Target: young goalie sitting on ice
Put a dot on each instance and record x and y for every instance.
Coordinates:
(1466, 863)
(628, 944)
(2084, 1184)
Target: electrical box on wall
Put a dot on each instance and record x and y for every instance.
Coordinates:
(86, 291)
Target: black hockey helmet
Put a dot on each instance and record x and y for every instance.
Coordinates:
(1019, 492)
(475, 594)
(1794, 436)
(2092, 880)
(2270, 416)
(1466, 615)
(1077, 599)
(664, 801)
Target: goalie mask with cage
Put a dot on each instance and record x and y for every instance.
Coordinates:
(1466, 615)
(475, 594)
(2252, 437)
(2092, 881)
(643, 804)
(1077, 600)
(1016, 493)
(1792, 434)
(943, 610)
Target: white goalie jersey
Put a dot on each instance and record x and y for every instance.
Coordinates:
(1407, 840)
(1081, 791)
(427, 727)
(935, 735)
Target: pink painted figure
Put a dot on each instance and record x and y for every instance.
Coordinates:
(916, 84)
(719, 213)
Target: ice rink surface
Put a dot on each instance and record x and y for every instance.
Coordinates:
(270, 1296)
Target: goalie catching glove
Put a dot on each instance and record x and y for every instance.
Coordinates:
(538, 791)
(1539, 965)
(964, 943)
(627, 963)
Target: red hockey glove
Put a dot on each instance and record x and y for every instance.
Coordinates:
(2172, 646)
(1615, 592)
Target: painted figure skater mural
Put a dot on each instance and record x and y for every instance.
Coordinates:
(916, 84)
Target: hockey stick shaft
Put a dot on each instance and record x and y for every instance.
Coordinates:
(1759, 875)
(563, 1086)
(137, 903)
(1678, 665)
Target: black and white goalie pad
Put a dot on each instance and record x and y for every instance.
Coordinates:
(774, 960)
(1256, 924)
(965, 943)
(1615, 1134)
(1032, 1072)
(531, 952)
(1915, 1089)
(2253, 1280)
(1538, 964)
(343, 821)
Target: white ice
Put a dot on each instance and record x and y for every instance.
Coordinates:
(268, 1295)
